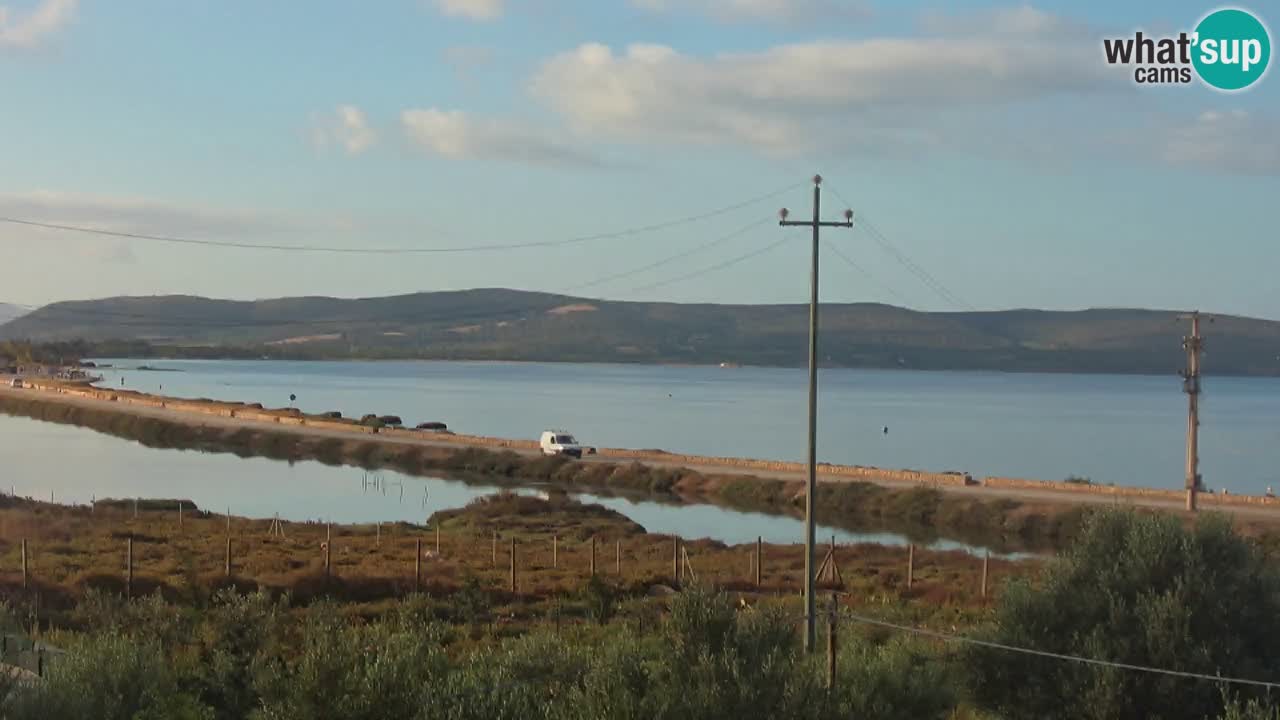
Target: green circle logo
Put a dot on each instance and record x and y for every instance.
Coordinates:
(1232, 49)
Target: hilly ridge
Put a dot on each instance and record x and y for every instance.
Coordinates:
(500, 324)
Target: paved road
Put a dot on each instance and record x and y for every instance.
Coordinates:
(428, 440)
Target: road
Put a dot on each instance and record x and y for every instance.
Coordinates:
(1263, 513)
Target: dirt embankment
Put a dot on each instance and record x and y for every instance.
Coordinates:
(993, 511)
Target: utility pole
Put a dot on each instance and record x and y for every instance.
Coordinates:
(1193, 344)
(810, 605)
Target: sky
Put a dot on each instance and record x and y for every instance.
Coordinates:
(991, 157)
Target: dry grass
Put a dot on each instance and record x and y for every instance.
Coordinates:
(72, 549)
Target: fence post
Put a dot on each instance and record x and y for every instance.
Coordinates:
(593, 556)
(513, 566)
(24, 563)
(758, 558)
(911, 564)
(328, 557)
(417, 564)
(494, 561)
(135, 508)
(555, 551)
(986, 558)
(437, 541)
(227, 569)
(179, 515)
(675, 559)
(377, 540)
(128, 563)
(617, 557)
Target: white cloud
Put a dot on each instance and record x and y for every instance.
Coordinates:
(27, 29)
(455, 134)
(479, 10)
(347, 127)
(781, 11)
(783, 96)
(1231, 142)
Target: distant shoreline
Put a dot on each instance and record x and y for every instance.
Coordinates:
(619, 363)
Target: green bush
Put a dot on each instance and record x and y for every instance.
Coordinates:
(1138, 589)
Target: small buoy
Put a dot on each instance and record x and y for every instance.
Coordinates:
(885, 429)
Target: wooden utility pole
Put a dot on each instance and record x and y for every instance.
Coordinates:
(811, 486)
(1193, 344)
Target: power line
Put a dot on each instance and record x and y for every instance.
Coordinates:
(1054, 656)
(629, 232)
(864, 272)
(713, 268)
(705, 246)
(913, 267)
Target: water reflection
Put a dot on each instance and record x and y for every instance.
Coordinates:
(76, 465)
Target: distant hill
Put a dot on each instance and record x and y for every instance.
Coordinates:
(10, 312)
(515, 325)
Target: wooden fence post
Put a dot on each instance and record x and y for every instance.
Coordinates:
(555, 551)
(227, 569)
(228, 521)
(417, 564)
(513, 566)
(986, 558)
(759, 554)
(911, 564)
(328, 557)
(24, 564)
(437, 541)
(377, 540)
(135, 508)
(179, 515)
(593, 556)
(675, 559)
(617, 557)
(128, 562)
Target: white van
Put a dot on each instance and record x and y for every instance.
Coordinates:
(559, 442)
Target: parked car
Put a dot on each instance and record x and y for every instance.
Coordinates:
(559, 442)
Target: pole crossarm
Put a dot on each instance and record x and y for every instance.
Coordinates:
(811, 484)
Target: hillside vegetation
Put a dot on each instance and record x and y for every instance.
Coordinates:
(497, 324)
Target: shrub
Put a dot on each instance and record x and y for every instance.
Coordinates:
(1138, 589)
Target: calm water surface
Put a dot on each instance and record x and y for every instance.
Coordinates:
(1127, 430)
(76, 465)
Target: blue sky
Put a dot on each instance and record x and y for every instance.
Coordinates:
(989, 143)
